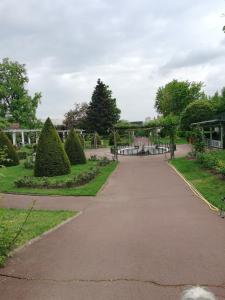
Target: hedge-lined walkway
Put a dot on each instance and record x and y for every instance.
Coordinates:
(145, 236)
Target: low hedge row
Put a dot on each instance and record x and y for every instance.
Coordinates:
(210, 161)
(55, 183)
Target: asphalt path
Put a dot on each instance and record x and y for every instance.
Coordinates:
(145, 236)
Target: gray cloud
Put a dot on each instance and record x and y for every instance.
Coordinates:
(134, 46)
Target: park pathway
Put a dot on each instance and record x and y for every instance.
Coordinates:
(145, 236)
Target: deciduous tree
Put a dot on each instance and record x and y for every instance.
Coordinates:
(15, 102)
(176, 95)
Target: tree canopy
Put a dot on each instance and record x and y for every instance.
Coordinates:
(102, 113)
(77, 117)
(200, 110)
(15, 103)
(176, 95)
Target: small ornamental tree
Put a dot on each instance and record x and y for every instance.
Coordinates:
(96, 140)
(51, 158)
(74, 149)
(111, 138)
(11, 156)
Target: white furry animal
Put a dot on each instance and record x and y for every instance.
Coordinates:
(197, 293)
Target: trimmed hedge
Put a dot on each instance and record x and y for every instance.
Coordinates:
(7, 146)
(74, 149)
(51, 158)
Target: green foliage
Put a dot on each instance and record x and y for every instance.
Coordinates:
(213, 160)
(22, 154)
(220, 167)
(218, 101)
(15, 102)
(102, 113)
(3, 123)
(56, 183)
(198, 140)
(29, 162)
(111, 138)
(6, 145)
(77, 117)
(51, 158)
(208, 160)
(197, 111)
(74, 149)
(176, 95)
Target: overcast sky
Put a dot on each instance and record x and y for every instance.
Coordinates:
(134, 46)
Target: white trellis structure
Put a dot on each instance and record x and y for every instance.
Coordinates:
(26, 134)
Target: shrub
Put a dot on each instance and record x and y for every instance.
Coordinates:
(12, 156)
(22, 154)
(220, 167)
(207, 160)
(96, 140)
(50, 183)
(111, 138)
(74, 149)
(103, 161)
(29, 162)
(51, 158)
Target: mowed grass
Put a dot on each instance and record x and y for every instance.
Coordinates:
(211, 186)
(11, 174)
(37, 223)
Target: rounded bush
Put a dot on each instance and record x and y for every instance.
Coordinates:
(51, 158)
(74, 149)
(12, 158)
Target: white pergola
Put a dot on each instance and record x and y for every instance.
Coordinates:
(23, 132)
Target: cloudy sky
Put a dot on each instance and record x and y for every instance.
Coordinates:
(134, 46)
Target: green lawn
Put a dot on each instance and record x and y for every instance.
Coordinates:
(208, 184)
(10, 174)
(37, 223)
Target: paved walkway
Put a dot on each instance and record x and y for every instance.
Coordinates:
(145, 236)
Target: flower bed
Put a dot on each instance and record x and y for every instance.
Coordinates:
(54, 183)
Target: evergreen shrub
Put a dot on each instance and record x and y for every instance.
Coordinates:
(10, 152)
(51, 158)
(74, 149)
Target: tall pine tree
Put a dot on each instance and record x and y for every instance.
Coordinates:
(102, 113)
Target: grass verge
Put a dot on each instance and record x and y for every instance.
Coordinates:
(208, 184)
(38, 222)
(11, 174)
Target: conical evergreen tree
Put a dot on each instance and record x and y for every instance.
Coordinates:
(74, 149)
(8, 148)
(102, 113)
(51, 158)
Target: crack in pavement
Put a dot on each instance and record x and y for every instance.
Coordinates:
(112, 280)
